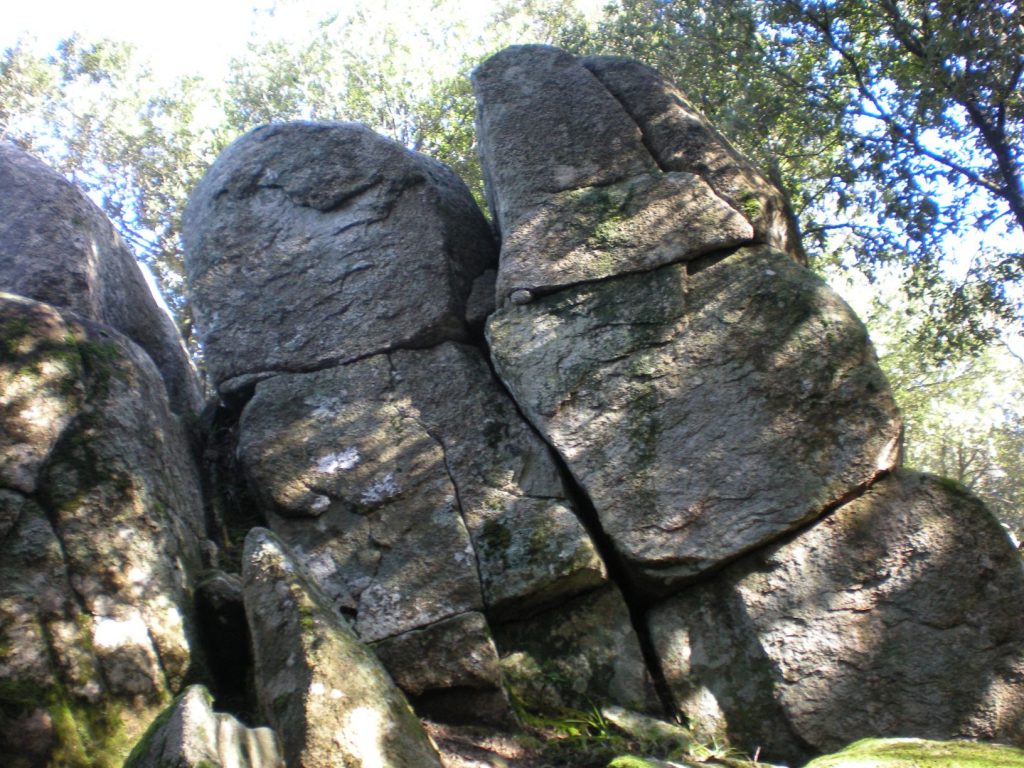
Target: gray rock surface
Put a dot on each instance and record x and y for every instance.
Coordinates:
(545, 124)
(189, 734)
(633, 225)
(310, 244)
(682, 139)
(413, 490)
(321, 689)
(899, 614)
(704, 414)
(575, 654)
(57, 247)
(103, 522)
(450, 669)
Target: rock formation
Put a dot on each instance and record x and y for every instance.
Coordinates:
(665, 478)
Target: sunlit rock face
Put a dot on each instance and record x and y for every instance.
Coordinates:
(897, 615)
(102, 522)
(321, 689)
(57, 247)
(350, 243)
(705, 414)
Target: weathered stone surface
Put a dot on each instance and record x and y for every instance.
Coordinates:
(899, 614)
(581, 652)
(921, 753)
(545, 124)
(450, 670)
(705, 414)
(408, 482)
(104, 522)
(57, 247)
(322, 690)
(628, 226)
(189, 734)
(348, 243)
(682, 139)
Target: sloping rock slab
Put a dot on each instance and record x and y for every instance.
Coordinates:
(921, 753)
(629, 226)
(545, 124)
(57, 247)
(408, 482)
(704, 414)
(346, 242)
(581, 652)
(321, 689)
(189, 734)
(899, 614)
(682, 139)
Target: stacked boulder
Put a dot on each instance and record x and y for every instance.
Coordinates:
(723, 411)
(102, 527)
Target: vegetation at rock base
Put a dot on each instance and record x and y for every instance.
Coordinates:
(919, 753)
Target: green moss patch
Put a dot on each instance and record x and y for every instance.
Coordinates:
(920, 753)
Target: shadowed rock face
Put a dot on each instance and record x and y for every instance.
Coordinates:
(309, 245)
(57, 247)
(896, 615)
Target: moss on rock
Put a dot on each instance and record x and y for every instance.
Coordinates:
(921, 753)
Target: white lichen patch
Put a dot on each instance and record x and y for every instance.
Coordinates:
(338, 461)
(380, 489)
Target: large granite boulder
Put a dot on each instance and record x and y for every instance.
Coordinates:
(897, 615)
(345, 242)
(57, 247)
(704, 412)
(322, 690)
(102, 526)
(682, 139)
(189, 734)
(574, 190)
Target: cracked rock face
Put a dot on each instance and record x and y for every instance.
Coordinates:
(321, 689)
(682, 139)
(414, 492)
(348, 243)
(102, 523)
(899, 614)
(704, 414)
(57, 247)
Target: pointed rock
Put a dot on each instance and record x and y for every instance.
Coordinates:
(189, 734)
(899, 614)
(57, 247)
(321, 689)
(348, 244)
(704, 413)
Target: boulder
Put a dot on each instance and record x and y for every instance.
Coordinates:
(189, 734)
(414, 491)
(321, 689)
(103, 525)
(575, 654)
(450, 671)
(898, 614)
(682, 139)
(57, 247)
(705, 411)
(576, 194)
(545, 125)
(312, 244)
(921, 753)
